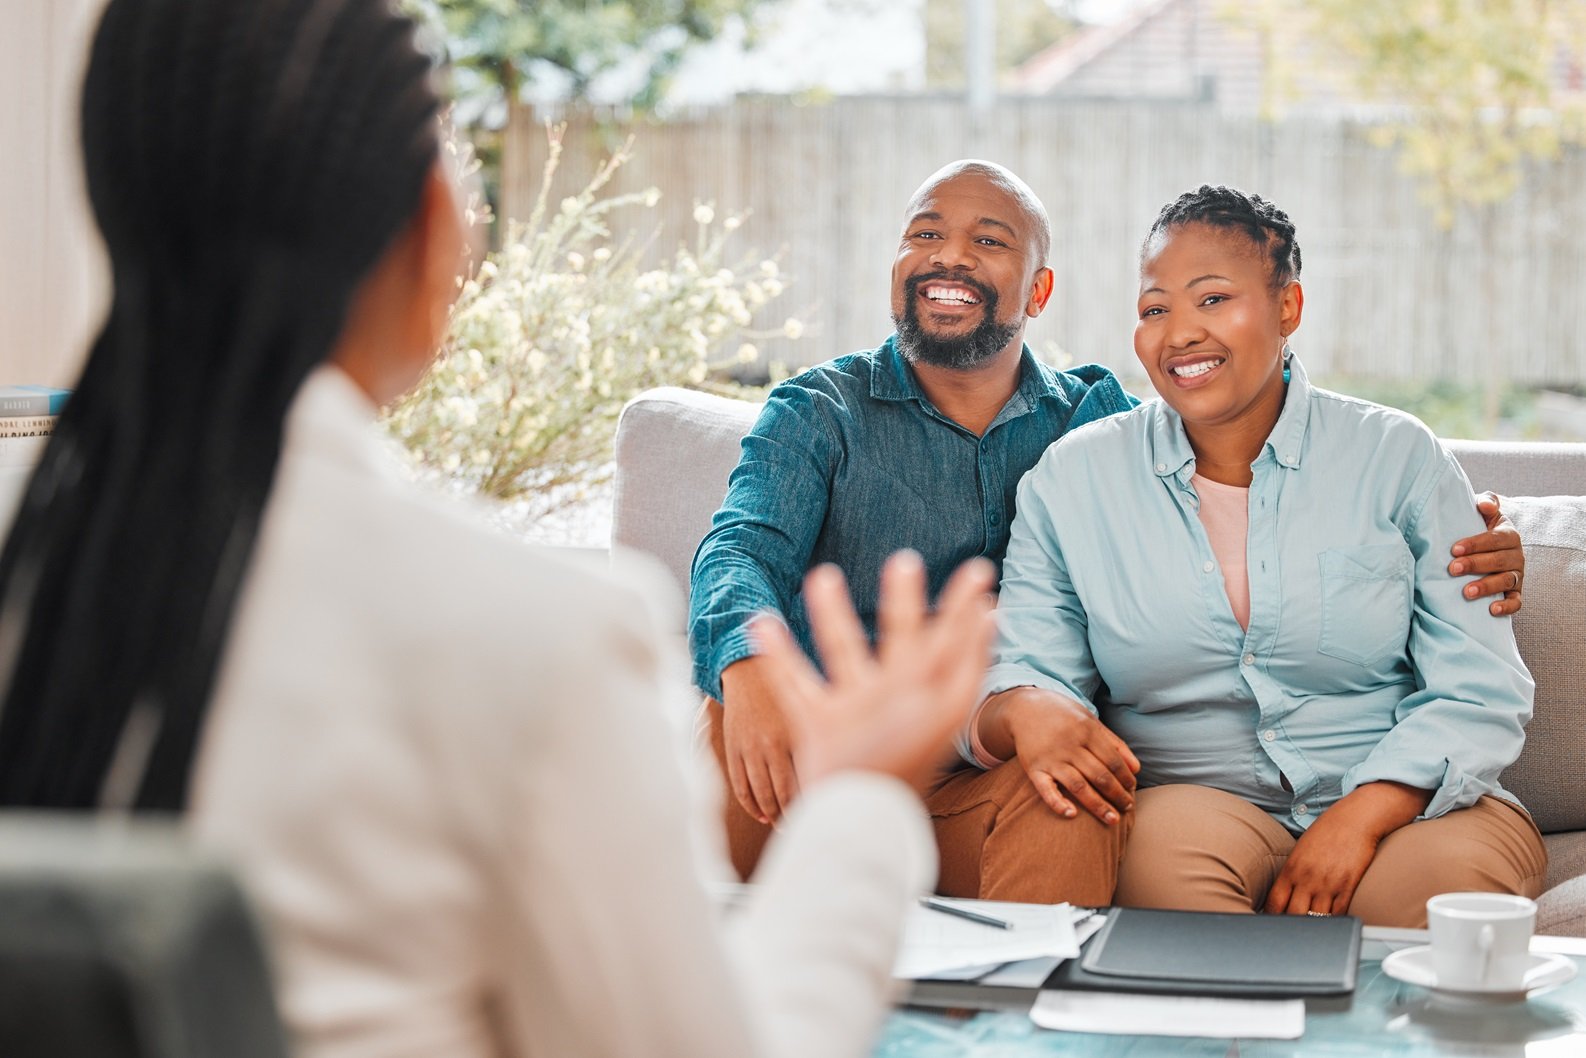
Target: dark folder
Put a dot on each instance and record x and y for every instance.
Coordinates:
(1196, 953)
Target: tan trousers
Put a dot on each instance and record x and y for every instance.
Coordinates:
(996, 838)
(1201, 849)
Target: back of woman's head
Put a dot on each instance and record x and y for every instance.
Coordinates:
(248, 164)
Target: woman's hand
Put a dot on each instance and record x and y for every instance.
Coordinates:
(1323, 870)
(1332, 856)
(895, 709)
(1063, 748)
(1494, 557)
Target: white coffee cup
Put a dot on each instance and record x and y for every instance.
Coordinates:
(1481, 941)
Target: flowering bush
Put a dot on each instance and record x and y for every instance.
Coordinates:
(559, 328)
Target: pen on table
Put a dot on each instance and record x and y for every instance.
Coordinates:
(973, 916)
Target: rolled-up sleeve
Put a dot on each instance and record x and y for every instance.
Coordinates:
(1466, 721)
(759, 545)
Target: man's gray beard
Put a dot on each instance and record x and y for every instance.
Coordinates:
(956, 354)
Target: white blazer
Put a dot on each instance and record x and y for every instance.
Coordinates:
(440, 761)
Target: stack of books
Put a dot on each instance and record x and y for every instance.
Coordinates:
(27, 418)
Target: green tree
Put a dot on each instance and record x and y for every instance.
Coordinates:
(497, 49)
(1476, 81)
(499, 46)
(1476, 87)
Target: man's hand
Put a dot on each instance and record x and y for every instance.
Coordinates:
(1494, 557)
(1330, 858)
(758, 744)
(1063, 749)
(893, 710)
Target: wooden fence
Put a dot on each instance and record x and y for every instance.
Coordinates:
(1388, 293)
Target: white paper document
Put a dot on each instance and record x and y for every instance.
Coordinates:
(1127, 1014)
(1026, 973)
(941, 945)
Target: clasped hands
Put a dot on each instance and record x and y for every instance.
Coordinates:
(1070, 756)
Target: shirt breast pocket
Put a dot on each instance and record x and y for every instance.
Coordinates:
(1365, 602)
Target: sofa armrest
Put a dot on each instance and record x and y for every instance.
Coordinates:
(675, 450)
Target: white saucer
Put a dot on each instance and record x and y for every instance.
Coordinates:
(1414, 966)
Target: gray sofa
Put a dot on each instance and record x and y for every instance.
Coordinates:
(676, 447)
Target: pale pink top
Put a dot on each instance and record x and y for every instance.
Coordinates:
(1225, 513)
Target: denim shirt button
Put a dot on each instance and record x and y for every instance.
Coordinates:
(1207, 567)
(1301, 810)
(1248, 659)
(1161, 468)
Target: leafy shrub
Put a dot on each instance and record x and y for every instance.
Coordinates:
(559, 328)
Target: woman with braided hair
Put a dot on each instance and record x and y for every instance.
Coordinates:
(1316, 720)
(433, 754)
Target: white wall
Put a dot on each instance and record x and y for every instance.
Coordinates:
(52, 276)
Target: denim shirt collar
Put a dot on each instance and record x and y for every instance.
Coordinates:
(892, 380)
(1172, 456)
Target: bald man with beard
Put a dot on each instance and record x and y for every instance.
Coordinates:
(920, 444)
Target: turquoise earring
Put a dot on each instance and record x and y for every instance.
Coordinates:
(1286, 355)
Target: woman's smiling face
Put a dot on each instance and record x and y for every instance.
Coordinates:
(1211, 327)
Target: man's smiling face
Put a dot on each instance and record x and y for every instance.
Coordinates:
(965, 277)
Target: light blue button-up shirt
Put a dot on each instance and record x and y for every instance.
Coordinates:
(1362, 661)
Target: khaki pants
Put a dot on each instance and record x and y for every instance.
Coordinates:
(996, 838)
(1201, 849)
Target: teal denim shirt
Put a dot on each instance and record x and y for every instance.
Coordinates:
(849, 462)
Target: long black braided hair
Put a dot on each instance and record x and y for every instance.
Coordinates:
(1233, 210)
(248, 162)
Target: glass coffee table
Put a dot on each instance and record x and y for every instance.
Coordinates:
(1385, 1017)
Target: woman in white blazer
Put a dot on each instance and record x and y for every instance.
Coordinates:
(435, 754)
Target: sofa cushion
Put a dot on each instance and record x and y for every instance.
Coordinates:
(1566, 857)
(1562, 911)
(1550, 776)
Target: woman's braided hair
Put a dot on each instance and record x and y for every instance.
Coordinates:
(1234, 210)
(248, 163)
